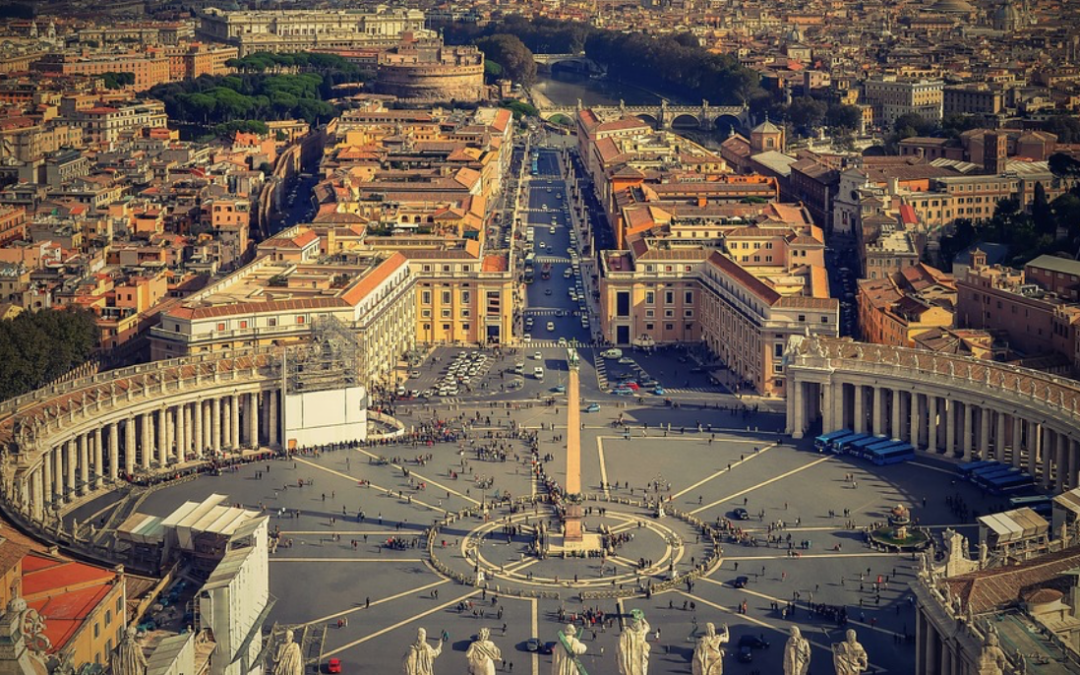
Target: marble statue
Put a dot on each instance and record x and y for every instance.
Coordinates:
(992, 659)
(565, 659)
(420, 658)
(129, 658)
(289, 659)
(482, 654)
(633, 656)
(709, 653)
(796, 653)
(849, 657)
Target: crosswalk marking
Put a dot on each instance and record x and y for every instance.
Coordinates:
(548, 344)
(552, 259)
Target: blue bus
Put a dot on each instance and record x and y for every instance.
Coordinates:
(993, 467)
(967, 468)
(861, 447)
(1010, 483)
(893, 454)
(823, 441)
(987, 479)
(844, 444)
(1040, 504)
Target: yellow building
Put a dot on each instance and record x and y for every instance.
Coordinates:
(889, 316)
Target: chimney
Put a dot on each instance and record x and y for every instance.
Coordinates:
(894, 186)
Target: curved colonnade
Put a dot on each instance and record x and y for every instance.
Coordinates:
(950, 406)
(64, 443)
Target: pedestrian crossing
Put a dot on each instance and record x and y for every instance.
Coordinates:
(601, 373)
(553, 259)
(695, 390)
(544, 312)
(550, 344)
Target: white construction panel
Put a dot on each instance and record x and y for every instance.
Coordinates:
(323, 417)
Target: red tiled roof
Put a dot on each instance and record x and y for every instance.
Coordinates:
(989, 589)
(371, 281)
(748, 280)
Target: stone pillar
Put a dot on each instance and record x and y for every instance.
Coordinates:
(70, 464)
(48, 488)
(894, 430)
(99, 461)
(999, 435)
(148, 439)
(948, 414)
(1067, 465)
(234, 426)
(930, 649)
(1018, 439)
(984, 431)
(967, 432)
(83, 464)
(215, 421)
(253, 422)
(181, 432)
(879, 417)
(789, 410)
(274, 423)
(114, 452)
(916, 423)
(162, 456)
(37, 493)
(129, 446)
(860, 413)
(1049, 449)
(827, 408)
(197, 414)
(800, 409)
(1034, 438)
(59, 457)
(931, 423)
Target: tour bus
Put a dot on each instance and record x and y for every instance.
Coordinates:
(831, 445)
(893, 452)
(968, 468)
(823, 441)
(843, 446)
(1010, 483)
(860, 448)
(984, 480)
(1041, 504)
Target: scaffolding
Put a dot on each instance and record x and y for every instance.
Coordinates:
(331, 360)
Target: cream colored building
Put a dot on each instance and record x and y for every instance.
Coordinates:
(301, 30)
(893, 97)
(272, 302)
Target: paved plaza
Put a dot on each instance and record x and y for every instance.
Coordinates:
(338, 567)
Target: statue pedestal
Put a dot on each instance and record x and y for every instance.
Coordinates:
(588, 542)
(572, 531)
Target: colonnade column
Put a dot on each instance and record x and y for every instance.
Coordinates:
(967, 432)
(275, 423)
(895, 394)
(37, 493)
(1017, 439)
(83, 465)
(114, 451)
(253, 423)
(181, 432)
(1064, 461)
(48, 488)
(129, 446)
(879, 418)
(162, 456)
(826, 408)
(860, 413)
(984, 432)
(949, 414)
(999, 435)
(914, 421)
(931, 423)
(234, 427)
(69, 467)
(197, 428)
(99, 456)
(1034, 438)
(1049, 448)
(215, 422)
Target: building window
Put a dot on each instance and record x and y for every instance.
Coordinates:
(426, 313)
(446, 313)
(688, 313)
(243, 324)
(669, 313)
(446, 297)
(221, 326)
(824, 319)
(446, 326)
(427, 268)
(778, 349)
(466, 297)
(648, 326)
(669, 298)
(649, 314)
(650, 297)
(300, 320)
(778, 368)
(272, 321)
(688, 297)
(445, 268)
(802, 318)
(669, 326)
(465, 313)
(97, 630)
(425, 297)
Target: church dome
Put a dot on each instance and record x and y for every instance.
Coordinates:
(952, 7)
(765, 127)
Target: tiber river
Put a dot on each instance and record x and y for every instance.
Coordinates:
(564, 88)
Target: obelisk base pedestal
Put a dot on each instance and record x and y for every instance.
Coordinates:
(572, 530)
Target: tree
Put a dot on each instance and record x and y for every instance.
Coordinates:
(1041, 213)
(38, 347)
(806, 112)
(521, 109)
(1065, 127)
(913, 124)
(843, 116)
(1065, 165)
(511, 53)
(492, 70)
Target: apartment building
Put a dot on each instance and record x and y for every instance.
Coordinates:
(271, 302)
(893, 97)
(148, 68)
(743, 304)
(1035, 320)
